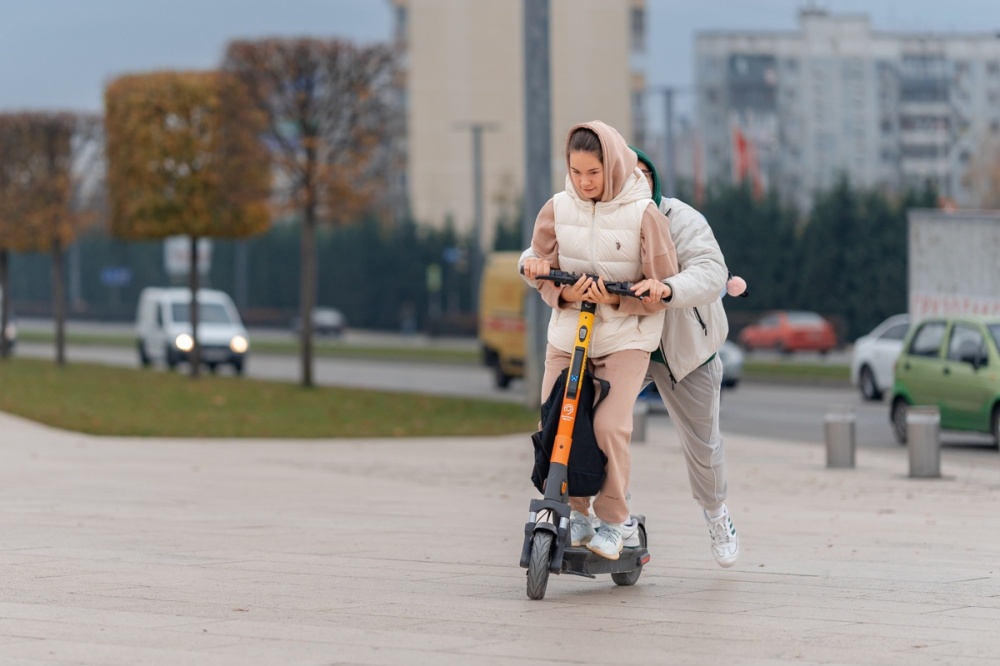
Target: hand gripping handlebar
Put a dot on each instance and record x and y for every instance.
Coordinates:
(564, 278)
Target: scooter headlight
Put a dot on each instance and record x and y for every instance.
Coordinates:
(184, 342)
(239, 344)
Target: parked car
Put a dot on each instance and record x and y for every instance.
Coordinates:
(326, 321)
(163, 328)
(874, 356)
(10, 332)
(732, 372)
(732, 364)
(789, 331)
(952, 363)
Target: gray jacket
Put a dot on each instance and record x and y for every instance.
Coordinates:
(696, 324)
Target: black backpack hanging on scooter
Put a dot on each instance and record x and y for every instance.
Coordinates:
(587, 463)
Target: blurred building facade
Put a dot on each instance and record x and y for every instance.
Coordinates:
(463, 66)
(795, 110)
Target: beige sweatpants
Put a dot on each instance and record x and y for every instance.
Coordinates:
(625, 371)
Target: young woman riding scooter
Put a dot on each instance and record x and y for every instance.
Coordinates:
(604, 224)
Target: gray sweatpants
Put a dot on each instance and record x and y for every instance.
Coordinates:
(693, 405)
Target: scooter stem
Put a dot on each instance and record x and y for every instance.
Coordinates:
(575, 377)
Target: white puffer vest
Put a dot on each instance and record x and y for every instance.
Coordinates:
(603, 238)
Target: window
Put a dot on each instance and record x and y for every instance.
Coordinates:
(804, 318)
(208, 313)
(995, 333)
(897, 332)
(965, 341)
(927, 341)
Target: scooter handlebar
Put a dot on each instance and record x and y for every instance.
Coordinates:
(565, 278)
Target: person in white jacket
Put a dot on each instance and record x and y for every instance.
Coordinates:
(685, 367)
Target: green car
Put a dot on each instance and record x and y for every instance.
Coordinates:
(952, 363)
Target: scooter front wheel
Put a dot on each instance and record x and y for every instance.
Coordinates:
(538, 565)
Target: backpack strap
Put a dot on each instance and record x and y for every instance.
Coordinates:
(602, 392)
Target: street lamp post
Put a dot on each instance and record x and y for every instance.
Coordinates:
(668, 141)
(476, 260)
(537, 176)
(669, 156)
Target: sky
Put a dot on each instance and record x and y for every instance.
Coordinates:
(59, 54)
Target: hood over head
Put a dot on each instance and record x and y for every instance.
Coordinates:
(619, 160)
(657, 192)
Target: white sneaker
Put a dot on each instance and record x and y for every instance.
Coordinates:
(608, 541)
(725, 541)
(581, 528)
(630, 533)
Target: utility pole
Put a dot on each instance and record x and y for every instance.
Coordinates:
(476, 260)
(537, 177)
(668, 141)
(669, 170)
(669, 159)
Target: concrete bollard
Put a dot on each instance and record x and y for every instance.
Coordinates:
(640, 414)
(923, 425)
(838, 426)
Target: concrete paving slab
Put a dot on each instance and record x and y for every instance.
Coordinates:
(386, 552)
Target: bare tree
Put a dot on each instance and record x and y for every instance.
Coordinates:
(184, 158)
(329, 107)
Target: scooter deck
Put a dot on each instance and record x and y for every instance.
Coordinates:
(582, 562)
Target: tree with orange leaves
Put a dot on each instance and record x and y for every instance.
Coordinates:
(40, 205)
(184, 158)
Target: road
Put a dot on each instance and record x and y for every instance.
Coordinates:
(789, 412)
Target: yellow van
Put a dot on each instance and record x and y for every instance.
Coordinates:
(501, 317)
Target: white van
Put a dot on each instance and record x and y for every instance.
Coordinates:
(163, 328)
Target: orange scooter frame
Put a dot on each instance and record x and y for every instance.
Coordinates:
(546, 548)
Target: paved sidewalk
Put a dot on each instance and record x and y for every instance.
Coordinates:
(137, 551)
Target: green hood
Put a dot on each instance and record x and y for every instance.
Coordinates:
(657, 194)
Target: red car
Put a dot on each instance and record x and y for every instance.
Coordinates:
(788, 331)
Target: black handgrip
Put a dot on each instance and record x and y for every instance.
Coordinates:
(564, 278)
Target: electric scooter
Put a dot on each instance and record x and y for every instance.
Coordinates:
(547, 547)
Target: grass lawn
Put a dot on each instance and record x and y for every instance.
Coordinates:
(104, 400)
(804, 371)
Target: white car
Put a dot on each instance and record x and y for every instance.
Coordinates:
(11, 331)
(874, 357)
(732, 363)
(163, 328)
(732, 371)
(326, 321)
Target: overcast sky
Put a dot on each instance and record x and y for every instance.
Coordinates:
(59, 54)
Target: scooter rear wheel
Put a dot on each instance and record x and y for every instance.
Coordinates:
(631, 577)
(538, 565)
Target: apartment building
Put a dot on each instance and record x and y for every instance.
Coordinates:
(793, 110)
(464, 75)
